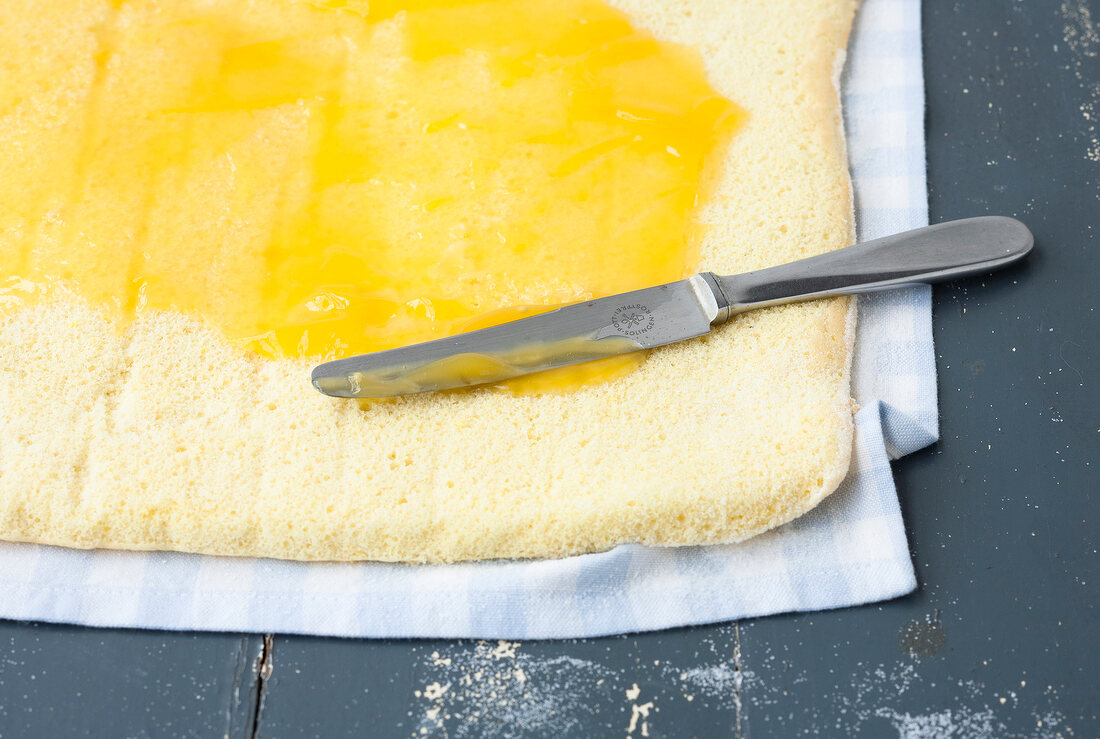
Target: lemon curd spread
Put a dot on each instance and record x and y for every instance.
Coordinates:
(320, 179)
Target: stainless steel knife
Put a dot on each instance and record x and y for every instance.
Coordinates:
(654, 316)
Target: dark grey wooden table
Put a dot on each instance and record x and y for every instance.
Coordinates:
(1000, 640)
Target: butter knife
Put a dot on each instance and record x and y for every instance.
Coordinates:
(654, 316)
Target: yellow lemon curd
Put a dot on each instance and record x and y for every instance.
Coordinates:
(321, 179)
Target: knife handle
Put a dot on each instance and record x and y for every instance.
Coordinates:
(931, 254)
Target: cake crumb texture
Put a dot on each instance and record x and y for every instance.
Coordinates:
(164, 436)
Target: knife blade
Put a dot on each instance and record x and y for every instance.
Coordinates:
(677, 311)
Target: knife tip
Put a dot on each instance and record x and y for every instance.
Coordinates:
(338, 386)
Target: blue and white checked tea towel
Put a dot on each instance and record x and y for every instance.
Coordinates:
(850, 550)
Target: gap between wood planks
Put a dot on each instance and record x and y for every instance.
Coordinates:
(261, 670)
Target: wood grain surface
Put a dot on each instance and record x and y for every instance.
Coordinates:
(1000, 640)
